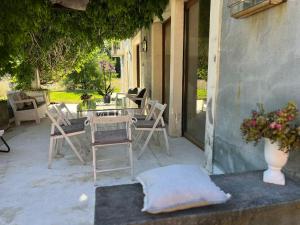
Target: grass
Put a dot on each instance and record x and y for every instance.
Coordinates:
(201, 93)
(74, 96)
(69, 96)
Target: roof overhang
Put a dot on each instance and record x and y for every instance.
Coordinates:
(72, 4)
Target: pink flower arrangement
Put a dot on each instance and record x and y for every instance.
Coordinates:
(279, 126)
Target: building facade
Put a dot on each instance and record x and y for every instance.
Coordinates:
(246, 61)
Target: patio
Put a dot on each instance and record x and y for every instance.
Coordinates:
(65, 194)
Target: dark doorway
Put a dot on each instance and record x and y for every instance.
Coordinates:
(166, 66)
(195, 70)
(138, 69)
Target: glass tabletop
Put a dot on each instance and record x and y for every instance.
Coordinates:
(99, 105)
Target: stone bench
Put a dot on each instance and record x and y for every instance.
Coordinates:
(253, 202)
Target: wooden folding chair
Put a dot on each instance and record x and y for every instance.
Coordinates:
(154, 122)
(61, 131)
(149, 109)
(111, 137)
(67, 116)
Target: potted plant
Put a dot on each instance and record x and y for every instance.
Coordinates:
(105, 88)
(280, 133)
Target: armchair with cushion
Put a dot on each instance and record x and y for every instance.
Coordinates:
(139, 96)
(26, 108)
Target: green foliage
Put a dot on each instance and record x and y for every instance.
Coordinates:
(85, 79)
(202, 73)
(277, 125)
(56, 41)
(91, 76)
(201, 94)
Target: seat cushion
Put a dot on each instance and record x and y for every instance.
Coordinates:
(179, 187)
(110, 137)
(139, 116)
(77, 127)
(78, 120)
(147, 124)
(132, 91)
(29, 105)
(140, 95)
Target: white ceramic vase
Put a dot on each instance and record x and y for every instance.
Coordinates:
(275, 159)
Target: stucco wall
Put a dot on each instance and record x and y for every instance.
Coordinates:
(260, 62)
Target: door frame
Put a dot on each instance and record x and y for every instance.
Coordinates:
(138, 66)
(214, 52)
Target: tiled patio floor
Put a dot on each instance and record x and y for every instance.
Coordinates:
(32, 194)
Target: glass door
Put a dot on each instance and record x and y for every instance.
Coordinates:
(195, 70)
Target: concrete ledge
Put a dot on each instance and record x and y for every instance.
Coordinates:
(253, 203)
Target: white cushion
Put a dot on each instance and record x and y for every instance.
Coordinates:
(178, 187)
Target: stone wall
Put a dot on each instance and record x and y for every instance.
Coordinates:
(260, 62)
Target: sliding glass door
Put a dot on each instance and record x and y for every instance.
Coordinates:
(195, 70)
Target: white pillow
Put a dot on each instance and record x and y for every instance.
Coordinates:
(178, 187)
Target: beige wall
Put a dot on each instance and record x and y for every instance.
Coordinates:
(133, 77)
(157, 60)
(176, 67)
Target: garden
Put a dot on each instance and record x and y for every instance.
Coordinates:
(49, 47)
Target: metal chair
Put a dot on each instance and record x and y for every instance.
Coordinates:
(111, 137)
(154, 122)
(4, 142)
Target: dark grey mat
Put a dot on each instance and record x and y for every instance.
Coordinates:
(253, 202)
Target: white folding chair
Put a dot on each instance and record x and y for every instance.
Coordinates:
(154, 122)
(61, 131)
(148, 111)
(111, 137)
(67, 116)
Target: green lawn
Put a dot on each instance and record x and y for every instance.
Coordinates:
(69, 96)
(74, 96)
(201, 93)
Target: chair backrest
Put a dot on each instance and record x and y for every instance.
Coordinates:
(13, 96)
(149, 109)
(56, 120)
(54, 115)
(62, 107)
(158, 112)
(109, 120)
(142, 95)
(64, 112)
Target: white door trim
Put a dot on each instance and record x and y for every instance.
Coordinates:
(216, 10)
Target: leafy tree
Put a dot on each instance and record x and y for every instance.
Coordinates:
(91, 76)
(35, 36)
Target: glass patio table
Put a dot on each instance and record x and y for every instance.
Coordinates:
(123, 105)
